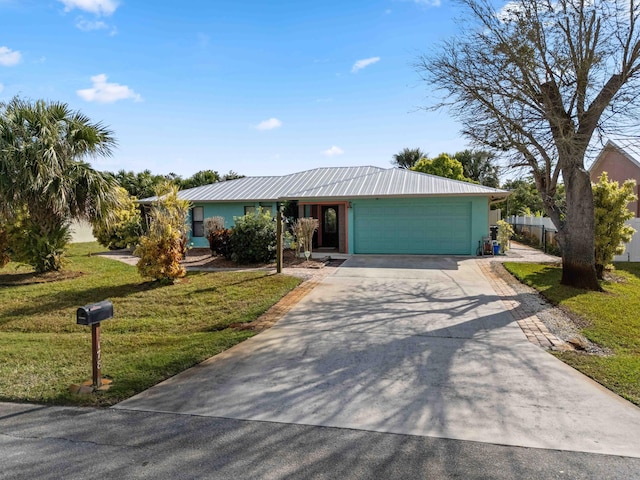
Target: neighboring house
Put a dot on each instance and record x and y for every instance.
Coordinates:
(81, 231)
(621, 160)
(360, 209)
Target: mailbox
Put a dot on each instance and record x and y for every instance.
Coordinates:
(94, 313)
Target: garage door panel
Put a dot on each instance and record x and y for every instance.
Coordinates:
(413, 229)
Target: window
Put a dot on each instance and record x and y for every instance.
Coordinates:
(249, 209)
(330, 221)
(197, 222)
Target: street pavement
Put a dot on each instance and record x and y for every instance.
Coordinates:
(51, 443)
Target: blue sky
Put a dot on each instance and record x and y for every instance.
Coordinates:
(258, 87)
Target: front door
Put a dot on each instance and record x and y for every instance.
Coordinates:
(330, 227)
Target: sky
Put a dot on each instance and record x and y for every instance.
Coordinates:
(258, 87)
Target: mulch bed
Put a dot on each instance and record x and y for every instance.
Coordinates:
(201, 257)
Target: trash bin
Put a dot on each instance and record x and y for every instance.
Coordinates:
(494, 232)
(496, 248)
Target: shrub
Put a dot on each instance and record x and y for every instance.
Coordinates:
(164, 247)
(160, 255)
(218, 236)
(303, 229)
(289, 241)
(124, 227)
(220, 242)
(26, 243)
(213, 224)
(253, 238)
(610, 200)
(45, 253)
(505, 232)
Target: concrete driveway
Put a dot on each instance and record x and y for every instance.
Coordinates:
(410, 345)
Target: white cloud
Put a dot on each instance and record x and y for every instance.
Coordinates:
(97, 7)
(88, 25)
(104, 92)
(333, 151)
(269, 124)
(510, 12)
(9, 57)
(365, 62)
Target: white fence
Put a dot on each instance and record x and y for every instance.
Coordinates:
(530, 220)
(536, 231)
(544, 224)
(632, 249)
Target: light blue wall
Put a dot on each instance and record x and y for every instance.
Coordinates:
(479, 207)
(228, 211)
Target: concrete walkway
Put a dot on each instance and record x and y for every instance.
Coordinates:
(409, 345)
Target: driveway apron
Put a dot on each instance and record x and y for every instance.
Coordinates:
(409, 345)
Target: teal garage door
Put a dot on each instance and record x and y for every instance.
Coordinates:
(425, 227)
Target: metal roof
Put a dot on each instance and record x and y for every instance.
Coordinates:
(273, 188)
(395, 182)
(335, 182)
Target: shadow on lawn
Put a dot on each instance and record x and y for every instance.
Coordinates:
(242, 281)
(31, 278)
(45, 304)
(547, 282)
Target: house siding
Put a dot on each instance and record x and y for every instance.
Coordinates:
(228, 211)
(618, 168)
(451, 211)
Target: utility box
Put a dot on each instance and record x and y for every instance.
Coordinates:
(94, 313)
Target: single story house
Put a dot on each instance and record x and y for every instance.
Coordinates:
(621, 160)
(361, 210)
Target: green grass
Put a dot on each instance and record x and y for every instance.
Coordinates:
(611, 319)
(157, 330)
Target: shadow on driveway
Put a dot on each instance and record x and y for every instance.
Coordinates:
(429, 352)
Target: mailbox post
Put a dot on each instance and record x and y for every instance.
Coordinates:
(93, 314)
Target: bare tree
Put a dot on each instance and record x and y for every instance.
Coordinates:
(536, 80)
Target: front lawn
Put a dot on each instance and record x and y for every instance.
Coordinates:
(611, 319)
(157, 330)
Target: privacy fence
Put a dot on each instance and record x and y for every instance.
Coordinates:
(541, 232)
(538, 232)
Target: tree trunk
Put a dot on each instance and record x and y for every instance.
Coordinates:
(577, 237)
(600, 271)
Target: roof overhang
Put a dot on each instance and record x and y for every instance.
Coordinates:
(493, 197)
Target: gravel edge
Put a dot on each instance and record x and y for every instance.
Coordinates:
(564, 325)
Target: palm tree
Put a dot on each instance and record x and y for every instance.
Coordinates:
(44, 182)
(407, 158)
